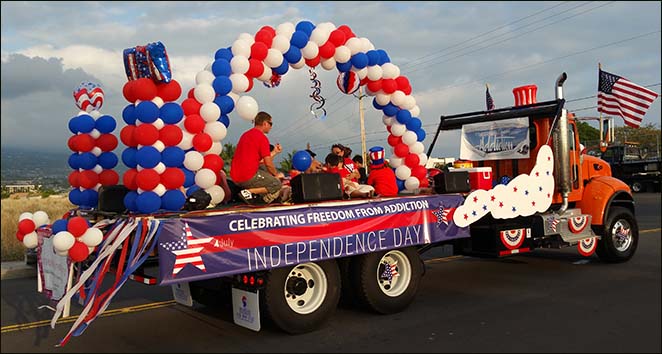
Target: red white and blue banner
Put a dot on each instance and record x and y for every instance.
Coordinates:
(197, 248)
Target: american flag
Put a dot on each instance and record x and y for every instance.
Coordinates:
(620, 97)
(488, 99)
(444, 214)
(390, 271)
(187, 249)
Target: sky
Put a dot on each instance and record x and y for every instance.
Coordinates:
(449, 51)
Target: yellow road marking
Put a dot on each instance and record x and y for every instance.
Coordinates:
(649, 230)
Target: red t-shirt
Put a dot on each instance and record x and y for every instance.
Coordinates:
(343, 174)
(383, 179)
(252, 147)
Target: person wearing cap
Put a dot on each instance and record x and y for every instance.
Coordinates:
(381, 177)
(315, 165)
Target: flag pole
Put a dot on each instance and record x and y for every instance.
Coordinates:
(602, 143)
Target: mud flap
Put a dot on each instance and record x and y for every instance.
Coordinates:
(246, 308)
(182, 294)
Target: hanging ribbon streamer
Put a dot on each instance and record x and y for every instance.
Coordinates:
(319, 100)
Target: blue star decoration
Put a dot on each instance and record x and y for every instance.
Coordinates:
(443, 215)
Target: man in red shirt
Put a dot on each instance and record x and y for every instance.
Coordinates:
(246, 170)
(381, 176)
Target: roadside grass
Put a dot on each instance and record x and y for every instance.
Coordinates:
(55, 206)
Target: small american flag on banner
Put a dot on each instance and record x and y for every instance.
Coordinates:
(489, 101)
(187, 249)
(390, 271)
(620, 97)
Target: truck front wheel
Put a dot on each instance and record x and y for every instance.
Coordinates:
(299, 299)
(387, 281)
(620, 237)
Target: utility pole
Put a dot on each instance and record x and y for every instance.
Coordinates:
(361, 117)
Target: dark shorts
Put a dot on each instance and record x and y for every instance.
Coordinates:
(264, 179)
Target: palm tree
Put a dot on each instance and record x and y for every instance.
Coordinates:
(286, 163)
(227, 154)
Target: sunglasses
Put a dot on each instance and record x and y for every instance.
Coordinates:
(271, 124)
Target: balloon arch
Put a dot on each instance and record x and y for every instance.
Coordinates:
(223, 86)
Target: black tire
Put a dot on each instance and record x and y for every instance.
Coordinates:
(615, 247)
(367, 282)
(277, 308)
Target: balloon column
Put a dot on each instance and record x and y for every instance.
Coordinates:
(154, 140)
(75, 238)
(28, 223)
(92, 144)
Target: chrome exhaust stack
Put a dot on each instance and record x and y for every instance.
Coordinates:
(563, 147)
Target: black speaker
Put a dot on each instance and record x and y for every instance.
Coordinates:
(111, 198)
(452, 182)
(315, 187)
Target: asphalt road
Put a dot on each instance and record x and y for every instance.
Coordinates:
(548, 301)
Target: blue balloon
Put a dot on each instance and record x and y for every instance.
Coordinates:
(383, 57)
(400, 183)
(293, 55)
(414, 123)
(173, 156)
(390, 109)
(301, 160)
(225, 120)
(73, 125)
(224, 53)
(222, 85)
(148, 202)
(147, 111)
(73, 161)
(189, 178)
(85, 123)
(60, 224)
(344, 67)
(148, 157)
(173, 200)
(305, 26)
(107, 160)
(105, 124)
(129, 114)
(89, 198)
(420, 134)
(192, 189)
(87, 161)
(299, 39)
(75, 196)
(359, 60)
(221, 67)
(403, 116)
(373, 57)
(129, 157)
(130, 200)
(225, 103)
(376, 104)
(282, 69)
(171, 113)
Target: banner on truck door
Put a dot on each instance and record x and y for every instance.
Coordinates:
(495, 140)
(206, 247)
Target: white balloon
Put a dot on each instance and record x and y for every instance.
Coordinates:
(398, 129)
(234, 97)
(210, 112)
(366, 45)
(383, 98)
(97, 169)
(311, 50)
(216, 148)
(63, 241)
(328, 64)
(402, 172)
(159, 146)
(388, 120)
(96, 151)
(95, 133)
(395, 161)
(208, 66)
(26, 215)
(205, 93)
(423, 159)
(299, 64)
(374, 72)
(285, 29)
(319, 35)
(187, 140)
(274, 58)
(281, 43)
(217, 193)
(40, 218)
(246, 37)
(416, 148)
(216, 130)
(62, 253)
(390, 71)
(139, 168)
(412, 183)
(160, 189)
(342, 54)
(327, 26)
(266, 74)
(160, 167)
(247, 107)
(193, 160)
(31, 240)
(410, 102)
(239, 64)
(158, 123)
(362, 73)
(92, 237)
(205, 178)
(354, 45)
(158, 101)
(241, 47)
(409, 137)
(415, 112)
(204, 77)
(95, 114)
(239, 83)
(90, 249)
(398, 98)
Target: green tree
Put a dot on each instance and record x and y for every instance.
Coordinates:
(588, 135)
(286, 163)
(227, 154)
(647, 135)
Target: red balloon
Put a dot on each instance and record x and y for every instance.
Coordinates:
(73, 143)
(337, 37)
(374, 86)
(146, 134)
(191, 93)
(269, 30)
(85, 142)
(202, 142)
(401, 150)
(73, 179)
(313, 62)
(190, 106)
(77, 226)
(148, 179)
(128, 92)
(388, 127)
(327, 50)
(79, 252)
(389, 86)
(255, 68)
(423, 183)
(126, 135)
(107, 142)
(348, 32)
(145, 89)
(194, 124)
(172, 178)
(394, 140)
(433, 172)
(213, 162)
(364, 81)
(250, 83)
(129, 179)
(407, 90)
(402, 82)
(108, 178)
(265, 37)
(19, 236)
(26, 226)
(169, 91)
(419, 172)
(412, 160)
(171, 135)
(88, 179)
(259, 50)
